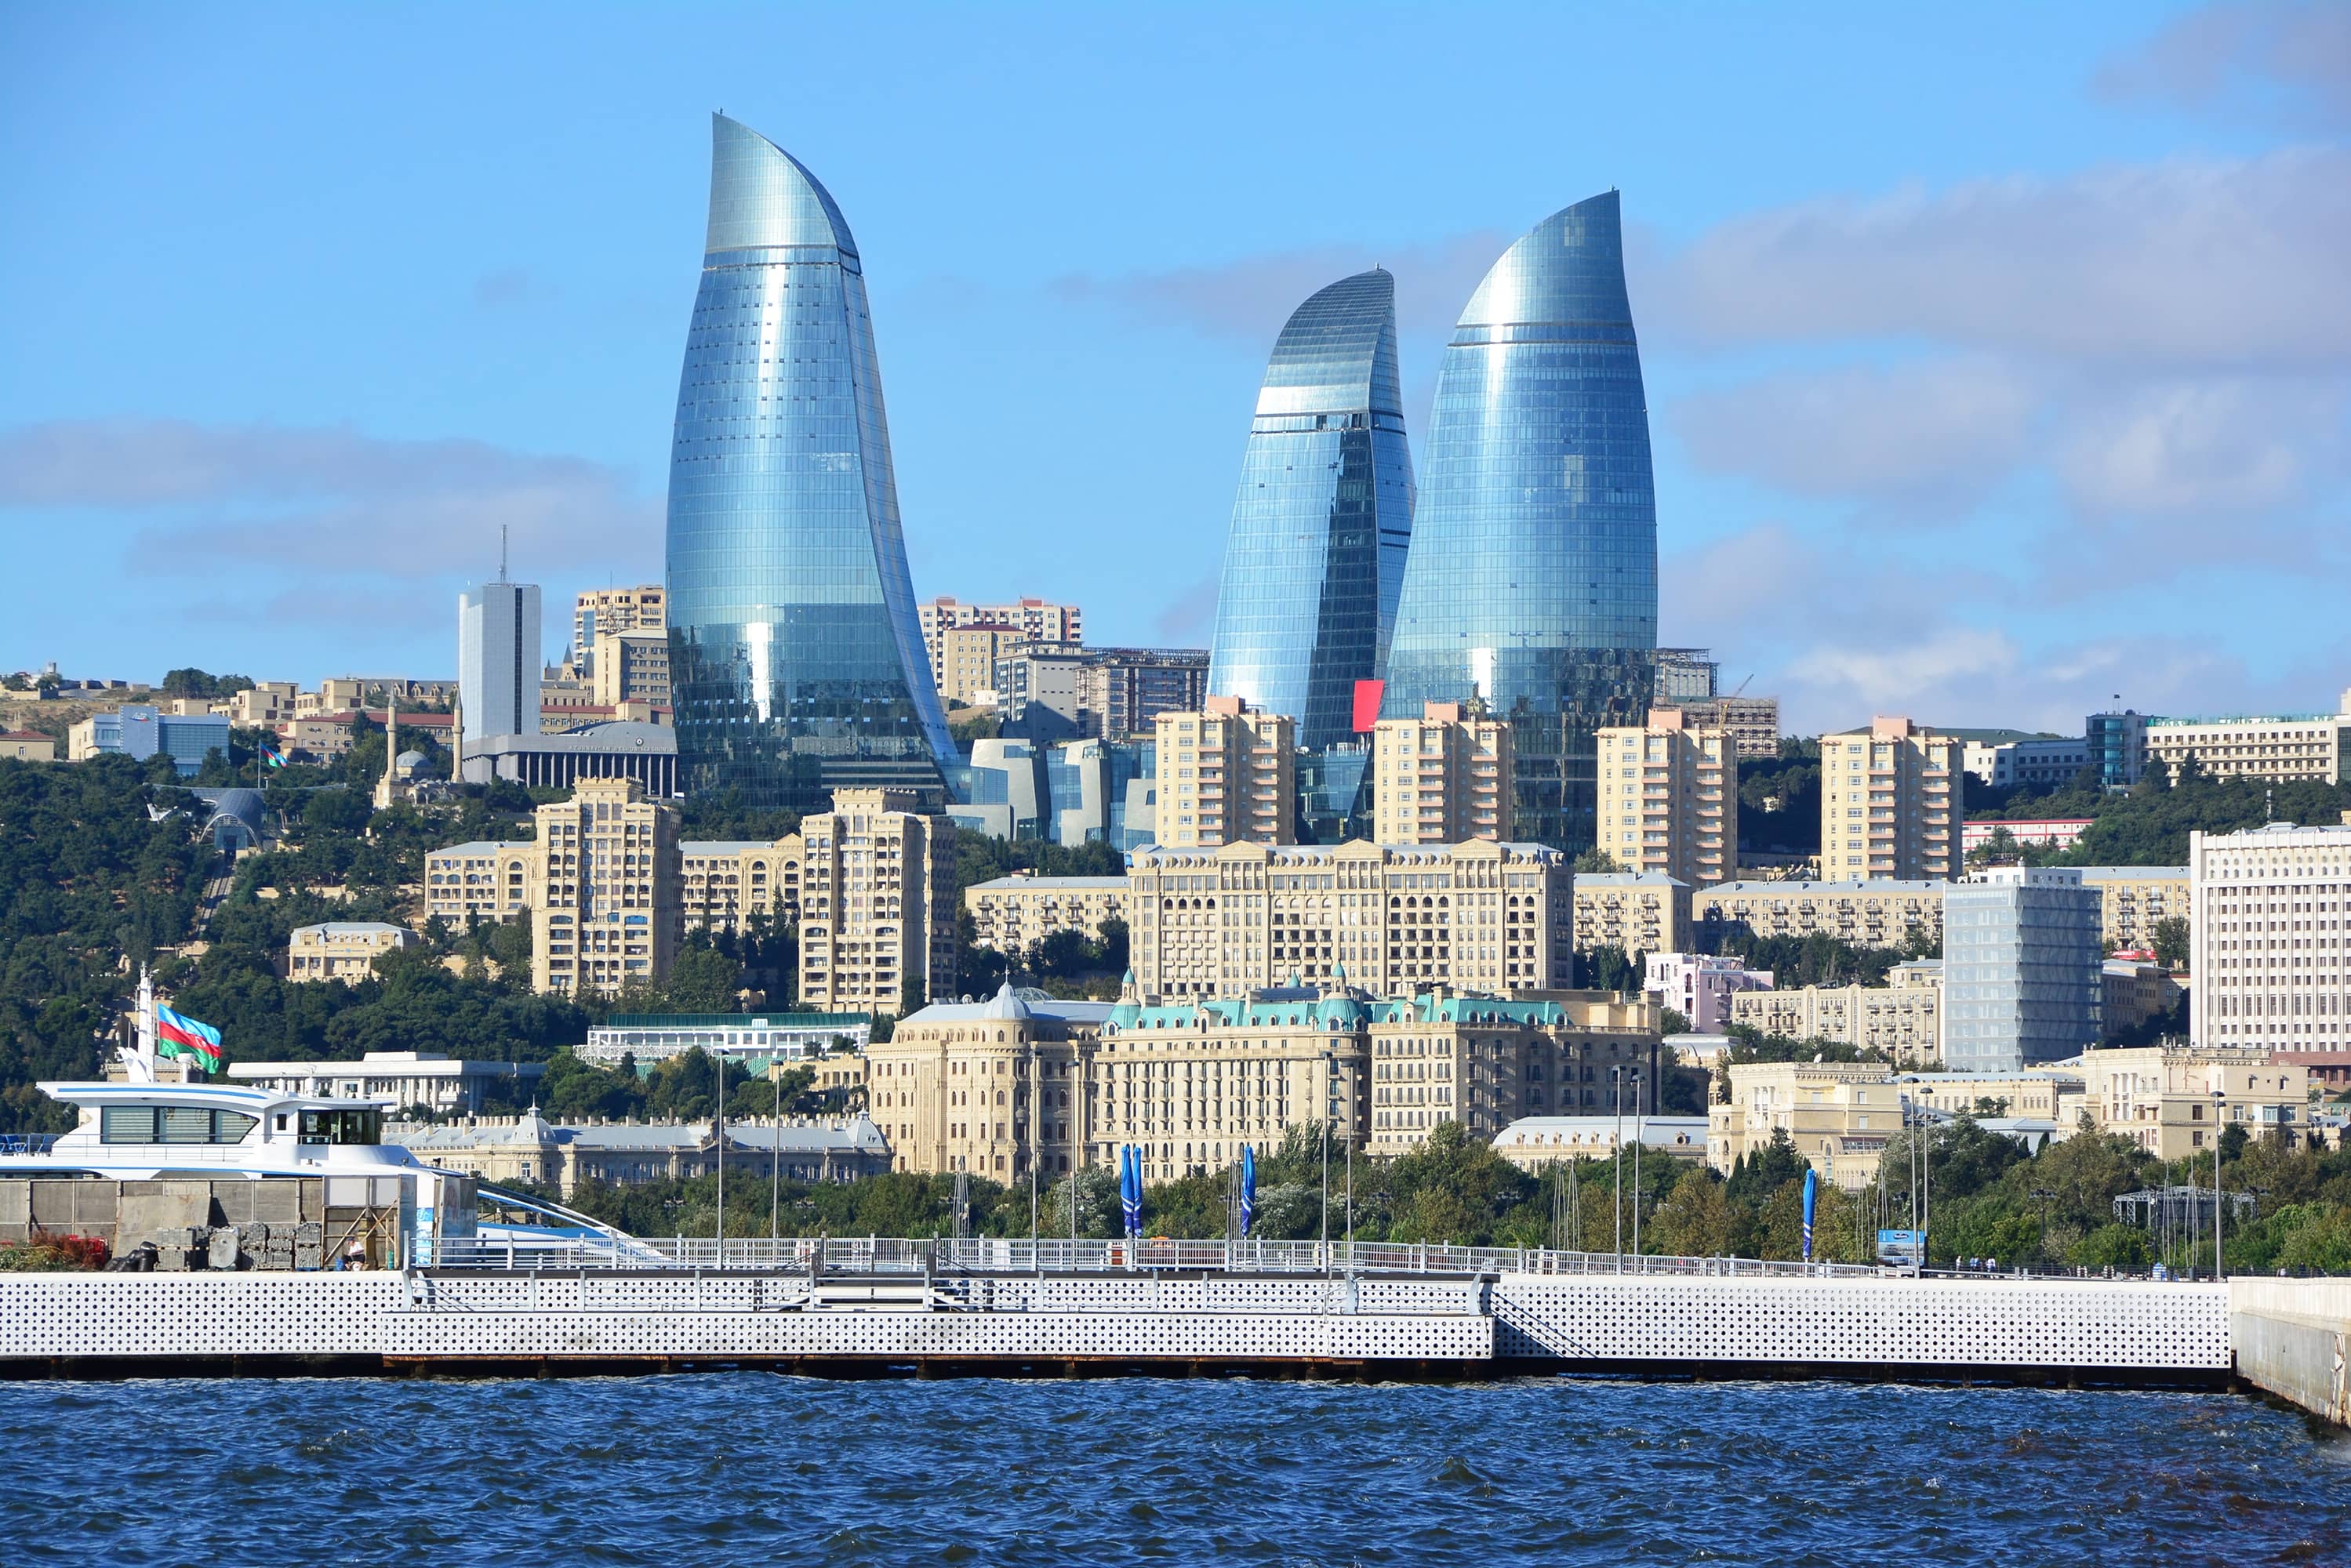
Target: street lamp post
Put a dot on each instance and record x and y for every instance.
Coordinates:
(1636, 1162)
(1617, 1084)
(2219, 1103)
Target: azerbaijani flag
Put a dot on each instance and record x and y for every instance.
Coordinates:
(177, 1036)
(271, 756)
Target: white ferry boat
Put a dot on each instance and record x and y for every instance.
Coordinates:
(139, 1125)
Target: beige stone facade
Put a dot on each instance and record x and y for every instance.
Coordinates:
(1226, 775)
(344, 951)
(965, 662)
(632, 667)
(1013, 914)
(877, 903)
(1869, 914)
(481, 881)
(2132, 898)
(1891, 805)
(1486, 1063)
(1904, 1021)
(1668, 798)
(2163, 1100)
(601, 611)
(2272, 943)
(1638, 912)
(985, 1087)
(2038, 1094)
(1442, 778)
(2279, 749)
(1040, 622)
(1840, 1116)
(28, 746)
(1480, 916)
(604, 909)
(724, 883)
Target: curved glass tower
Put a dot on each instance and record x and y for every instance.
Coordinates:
(797, 665)
(1316, 554)
(1533, 575)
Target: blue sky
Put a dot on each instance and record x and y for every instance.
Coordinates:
(1996, 358)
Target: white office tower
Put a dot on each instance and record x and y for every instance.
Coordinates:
(497, 660)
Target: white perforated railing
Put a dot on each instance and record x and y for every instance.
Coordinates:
(995, 1255)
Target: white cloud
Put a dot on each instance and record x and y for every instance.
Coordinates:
(2267, 59)
(2222, 447)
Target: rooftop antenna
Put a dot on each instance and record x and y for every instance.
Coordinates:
(502, 552)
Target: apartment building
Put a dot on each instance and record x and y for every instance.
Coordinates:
(1752, 723)
(2276, 748)
(2023, 969)
(996, 1088)
(1879, 914)
(604, 902)
(1225, 775)
(2173, 1101)
(1486, 1063)
(725, 884)
(2036, 1094)
(1700, 987)
(2272, 944)
(1442, 778)
(343, 950)
(1668, 798)
(1636, 912)
(2133, 991)
(1840, 1116)
(1038, 621)
(1483, 916)
(964, 663)
(602, 612)
(1891, 806)
(630, 668)
(1904, 1020)
(876, 904)
(1013, 914)
(2132, 899)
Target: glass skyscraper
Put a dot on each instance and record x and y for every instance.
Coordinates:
(1316, 555)
(797, 664)
(1533, 581)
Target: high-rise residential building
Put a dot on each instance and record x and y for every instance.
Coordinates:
(1891, 804)
(2023, 970)
(1443, 778)
(1533, 581)
(2117, 745)
(1668, 798)
(604, 911)
(632, 667)
(1686, 675)
(2277, 749)
(1493, 918)
(1227, 775)
(877, 903)
(2272, 935)
(1128, 688)
(798, 660)
(1753, 723)
(497, 660)
(600, 611)
(1039, 621)
(1634, 912)
(967, 658)
(1315, 556)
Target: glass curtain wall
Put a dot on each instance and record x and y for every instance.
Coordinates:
(1315, 557)
(797, 662)
(1533, 581)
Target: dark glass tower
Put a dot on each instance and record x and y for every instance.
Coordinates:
(1315, 559)
(797, 664)
(1533, 575)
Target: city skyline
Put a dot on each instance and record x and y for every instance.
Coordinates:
(1969, 418)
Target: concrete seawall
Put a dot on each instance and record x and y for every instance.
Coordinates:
(2292, 1337)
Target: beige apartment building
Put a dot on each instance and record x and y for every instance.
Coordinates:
(2132, 898)
(631, 667)
(604, 906)
(1225, 775)
(1442, 778)
(1890, 803)
(2038, 1094)
(995, 1088)
(1752, 723)
(724, 883)
(2272, 943)
(964, 663)
(1038, 621)
(2174, 1101)
(1668, 798)
(877, 905)
(2278, 749)
(1486, 1063)
(1480, 916)
(602, 612)
(342, 950)
(264, 703)
(28, 746)
(1905, 1019)
(341, 694)
(1840, 1116)
(1869, 914)
(1638, 912)
(1013, 914)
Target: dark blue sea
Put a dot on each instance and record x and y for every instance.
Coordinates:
(751, 1467)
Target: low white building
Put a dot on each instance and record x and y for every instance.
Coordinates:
(444, 1085)
(648, 1038)
(1532, 1142)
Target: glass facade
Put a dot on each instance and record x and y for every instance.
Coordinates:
(2023, 969)
(1315, 557)
(1533, 581)
(797, 663)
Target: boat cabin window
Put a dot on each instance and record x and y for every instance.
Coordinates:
(343, 1127)
(170, 1124)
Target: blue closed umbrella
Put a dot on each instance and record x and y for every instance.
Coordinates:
(1812, 1198)
(1130, 1188)
(1248, 1186)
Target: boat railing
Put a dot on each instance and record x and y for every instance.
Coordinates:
(886, 1255)
(28, 1142)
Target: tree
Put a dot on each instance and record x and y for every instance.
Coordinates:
(2171, 937)
(1696, 1220)
(1597, 861)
